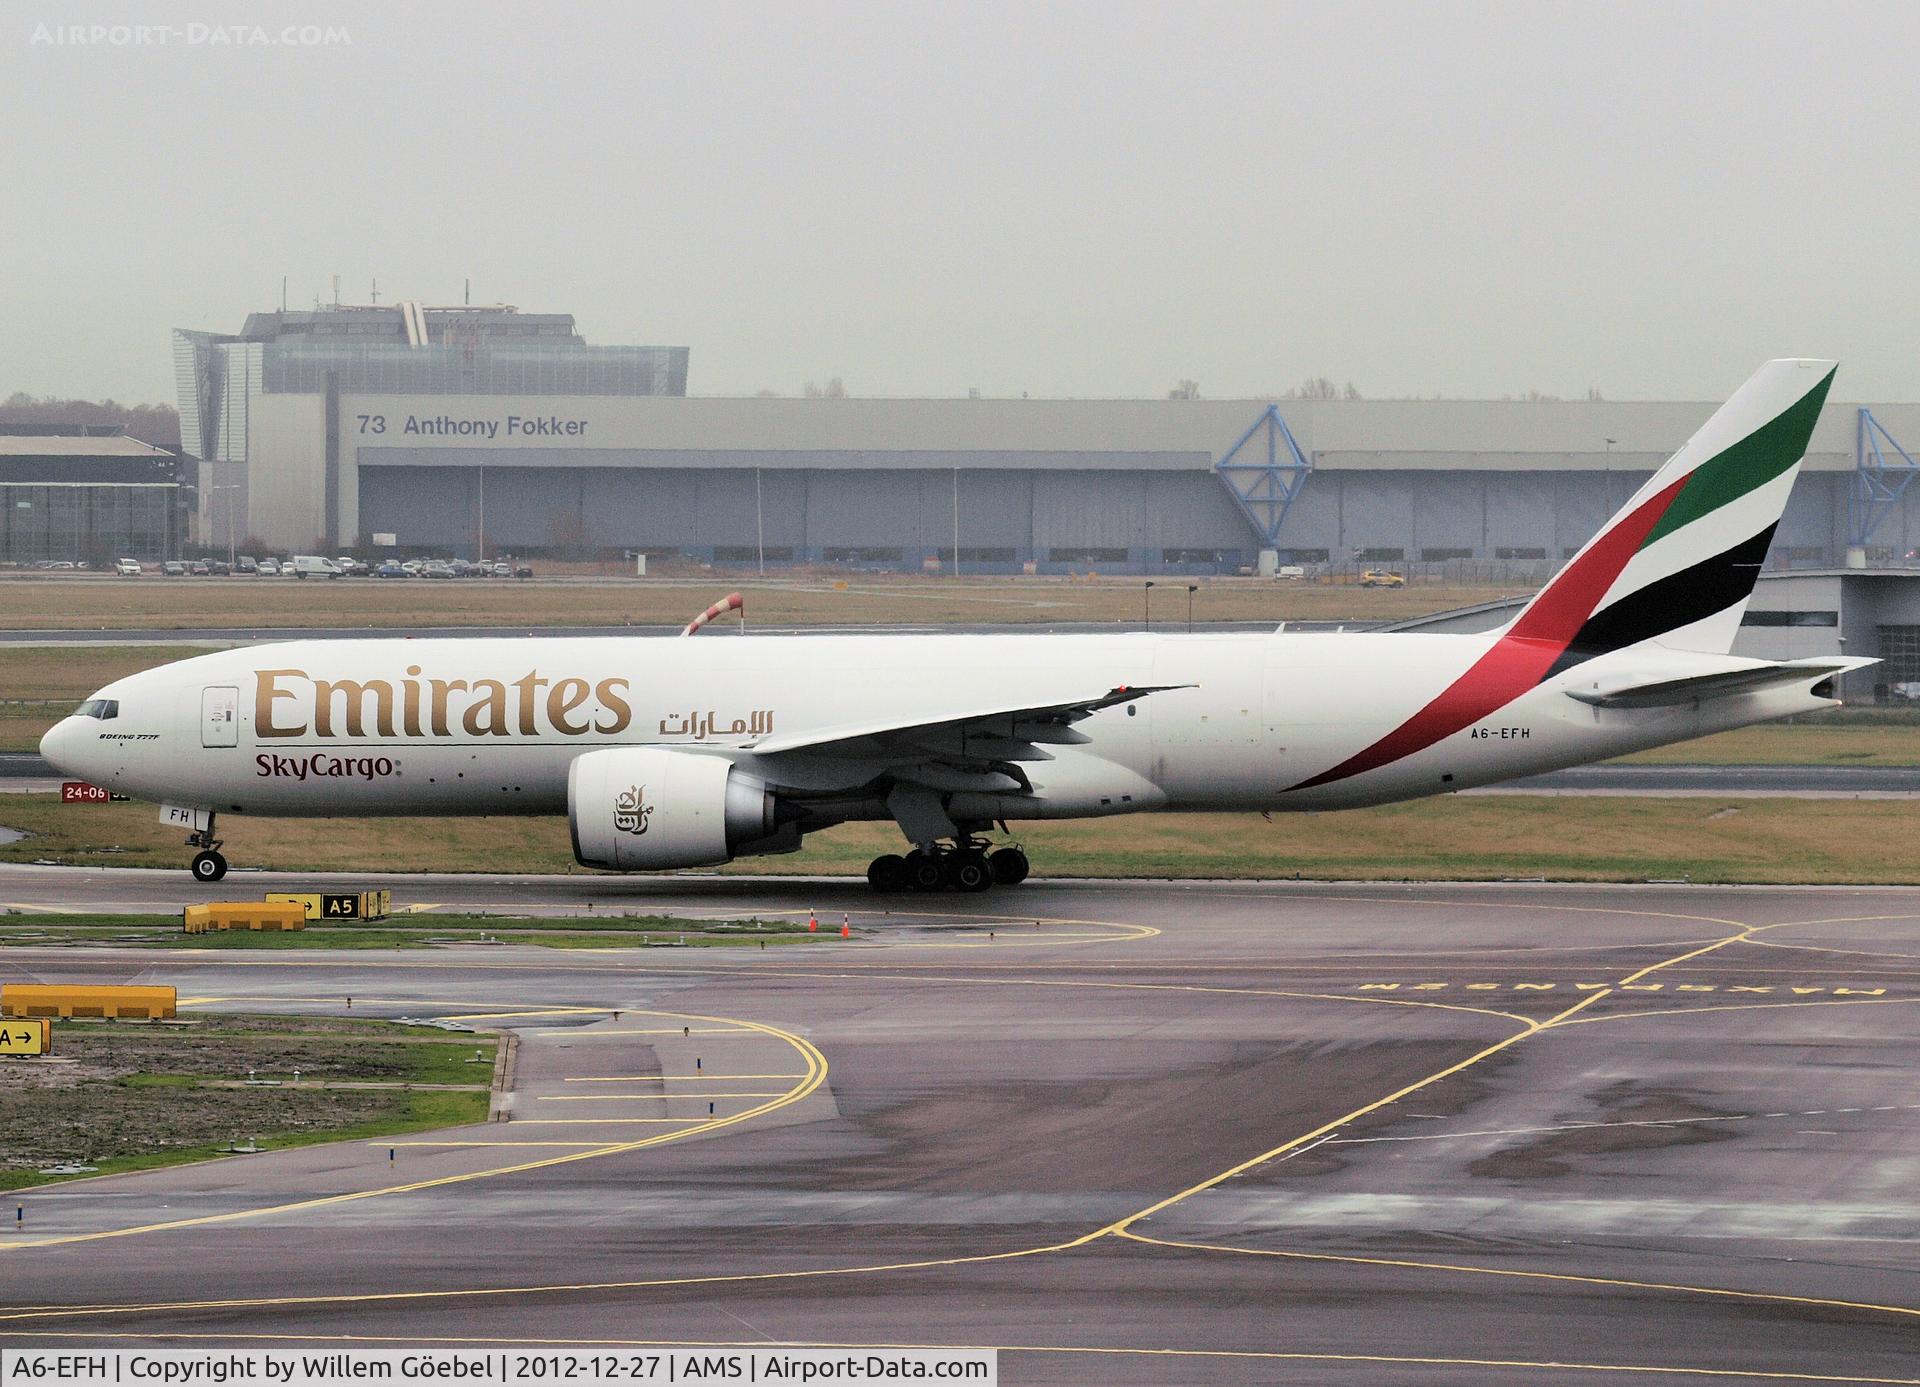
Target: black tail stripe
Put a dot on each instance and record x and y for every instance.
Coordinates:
(1679, 599)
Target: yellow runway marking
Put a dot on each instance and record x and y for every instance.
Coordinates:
(1122, 1228)
(1534, 1365)
(1626, 1283)
(1743, 1006)
(1327, 1128)
(816, 1075)
(1528, 1028)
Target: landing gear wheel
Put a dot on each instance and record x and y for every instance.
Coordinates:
(888, 873)
(209, 866)
(1009, 866)
(926, 871)
(970, 872)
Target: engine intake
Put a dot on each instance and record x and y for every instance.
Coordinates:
(636, 809)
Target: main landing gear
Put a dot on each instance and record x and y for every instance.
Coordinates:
(965, 865)
(208, 864)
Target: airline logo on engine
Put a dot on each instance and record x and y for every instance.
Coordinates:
(293, 703)
(631, 810)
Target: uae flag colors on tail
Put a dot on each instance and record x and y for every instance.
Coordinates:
(1675, 566)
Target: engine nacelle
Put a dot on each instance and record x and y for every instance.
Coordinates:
(636, 809)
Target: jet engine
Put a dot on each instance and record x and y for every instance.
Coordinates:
(636, 809)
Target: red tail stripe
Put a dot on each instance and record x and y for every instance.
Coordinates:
(1522, 657)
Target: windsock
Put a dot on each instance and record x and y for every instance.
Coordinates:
(732, 602)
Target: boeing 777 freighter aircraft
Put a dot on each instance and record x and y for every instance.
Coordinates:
(671, 753)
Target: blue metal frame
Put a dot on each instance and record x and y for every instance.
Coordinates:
(1265, 489)
(1878, 485)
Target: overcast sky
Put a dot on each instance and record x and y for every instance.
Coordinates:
(1066, 199)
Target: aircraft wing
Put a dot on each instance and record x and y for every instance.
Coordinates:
(1005, 732)
(1667, 690)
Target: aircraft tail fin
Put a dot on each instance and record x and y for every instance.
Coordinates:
(1678, 563)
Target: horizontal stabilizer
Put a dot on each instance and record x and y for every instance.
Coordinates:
(1667, 691)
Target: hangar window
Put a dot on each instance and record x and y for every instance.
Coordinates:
(1900, 648)
(992, 553)
(747, 553)
(1790, 619)
(1215, 556)
(1508, 551)
(848, 554)
(1442, 555)
(1307, 555)
(1383, 555)
(1086, 556)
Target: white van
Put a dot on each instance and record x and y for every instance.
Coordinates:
(312, 565)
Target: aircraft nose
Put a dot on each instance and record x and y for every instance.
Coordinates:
(61, 746)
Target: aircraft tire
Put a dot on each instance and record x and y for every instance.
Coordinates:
(970, 872)
(926, 871)
(209, 867)
(888, 873)
(1009, 865)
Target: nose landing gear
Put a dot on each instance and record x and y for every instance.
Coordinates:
(964, 865)
(208, 864)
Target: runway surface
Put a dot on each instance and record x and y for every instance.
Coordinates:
(1134, 1133)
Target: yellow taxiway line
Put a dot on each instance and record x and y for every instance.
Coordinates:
(816, 1073)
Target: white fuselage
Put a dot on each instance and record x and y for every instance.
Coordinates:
(491, 726)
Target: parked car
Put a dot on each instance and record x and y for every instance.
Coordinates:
(349, 567)
(246, 566)
(198, 568)
(522, 571)
(437, 570)
(390, 569)
(1381, 578)
(269, 568)
(313, 566)
(173, 568)
(502, 569)
(128, 568)
(219, 568)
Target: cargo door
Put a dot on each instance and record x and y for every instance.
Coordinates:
(220, 717)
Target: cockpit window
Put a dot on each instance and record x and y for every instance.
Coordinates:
(105, 709)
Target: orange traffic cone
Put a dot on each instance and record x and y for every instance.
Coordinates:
(813, 925)
(846, 927)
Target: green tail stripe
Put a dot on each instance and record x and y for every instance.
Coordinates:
(1754, 461)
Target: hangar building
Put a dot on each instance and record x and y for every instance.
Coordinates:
(86, 492)
(460, 430)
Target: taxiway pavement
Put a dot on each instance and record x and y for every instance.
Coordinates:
(1127, 1132)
